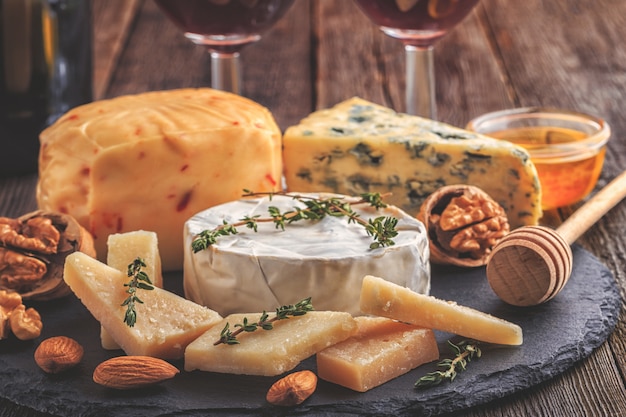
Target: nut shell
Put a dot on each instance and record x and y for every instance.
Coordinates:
(34, 249)
(58, 354)
(463, 224)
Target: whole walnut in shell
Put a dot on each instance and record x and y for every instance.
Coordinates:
(33, 248)
(463, 224)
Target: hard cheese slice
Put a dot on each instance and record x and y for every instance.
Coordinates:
(166, 323)
(381, 350)
(358, 146)
(383, 298)
(123, 248)
(269, 352)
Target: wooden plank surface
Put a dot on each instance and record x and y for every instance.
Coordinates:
(565, 53)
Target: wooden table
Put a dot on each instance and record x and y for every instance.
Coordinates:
(564, 53)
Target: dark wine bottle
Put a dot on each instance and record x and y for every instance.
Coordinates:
(45, 69)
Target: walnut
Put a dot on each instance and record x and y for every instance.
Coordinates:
(33, 248)
(8, 302)
(25, 322)
(464, 224)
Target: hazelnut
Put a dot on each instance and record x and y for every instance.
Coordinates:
(58, 354)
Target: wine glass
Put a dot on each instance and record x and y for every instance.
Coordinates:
(224, 27)
(418, 24)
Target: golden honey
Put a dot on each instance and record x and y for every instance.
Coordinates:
(566, 147)
(565, 178)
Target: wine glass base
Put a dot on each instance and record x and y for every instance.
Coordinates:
(228, 44)
(417, 38)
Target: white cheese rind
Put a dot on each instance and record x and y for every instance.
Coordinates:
(358, 146)
(325, 260)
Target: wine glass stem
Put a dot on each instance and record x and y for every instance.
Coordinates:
(225, 72)
(420, 82)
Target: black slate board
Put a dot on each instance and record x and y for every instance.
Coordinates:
(556, 335)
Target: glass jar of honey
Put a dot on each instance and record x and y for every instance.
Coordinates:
(566, 147)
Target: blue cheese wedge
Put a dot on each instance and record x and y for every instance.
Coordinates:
(358, 146)
(324, 259)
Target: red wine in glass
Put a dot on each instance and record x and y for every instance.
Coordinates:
(224, 27)
(419, 24)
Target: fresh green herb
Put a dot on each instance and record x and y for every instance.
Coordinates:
(464, 352)
(229, 337)
(139, 280)
(382, 229)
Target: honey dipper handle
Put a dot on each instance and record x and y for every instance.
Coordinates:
(593, 210)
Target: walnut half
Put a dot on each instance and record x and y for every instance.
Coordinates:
(463, 224)
(24, 323)
(33, 248)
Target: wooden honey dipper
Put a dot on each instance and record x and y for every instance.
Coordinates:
(532, 264)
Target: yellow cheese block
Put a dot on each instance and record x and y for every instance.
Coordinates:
(269, 352)
(166, 323)
(150, 161)
(383, 298)
(381, 350)
(123, 248)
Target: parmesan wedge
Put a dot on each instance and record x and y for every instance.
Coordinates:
(166, 323)
(381, 350)
(123, 248)
(269, 352)
(383, 298)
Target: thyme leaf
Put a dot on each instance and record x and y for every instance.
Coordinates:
(382, 229)
(229, 337)
(139, 280)
(464, 352)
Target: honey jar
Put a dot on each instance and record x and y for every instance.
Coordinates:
(566, 147)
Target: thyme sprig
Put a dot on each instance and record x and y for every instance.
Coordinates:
(464, 352)
(139, 280)
(265, 322)
(382, 229)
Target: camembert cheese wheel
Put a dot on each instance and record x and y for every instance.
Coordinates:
(324, 259)
(150, 161)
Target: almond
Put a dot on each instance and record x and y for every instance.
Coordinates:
(128, 372)
(58, 354)
(292, 389)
